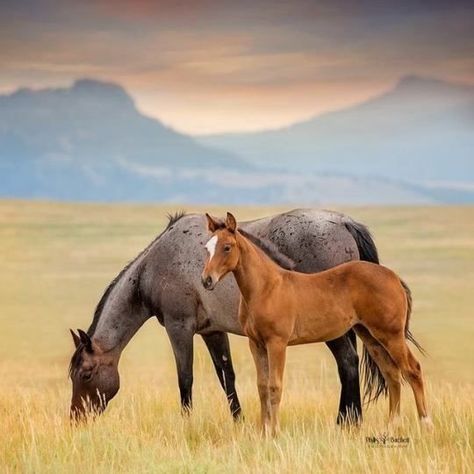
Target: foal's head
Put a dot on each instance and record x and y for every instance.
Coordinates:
(223, 251)
(94, 375)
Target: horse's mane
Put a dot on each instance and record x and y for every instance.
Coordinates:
(75, 360)
(271, 250)
(172, 219)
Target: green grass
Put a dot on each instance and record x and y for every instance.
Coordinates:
(56, 261)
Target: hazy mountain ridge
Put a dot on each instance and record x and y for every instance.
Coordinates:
(84, 143)
(89, 142)
(77, 122)
(421, 130)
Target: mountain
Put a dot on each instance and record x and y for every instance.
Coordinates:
(90, 142)
(421, 131)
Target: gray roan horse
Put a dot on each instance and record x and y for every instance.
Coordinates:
(164, 281)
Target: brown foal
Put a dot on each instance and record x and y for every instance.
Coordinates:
(280, 308)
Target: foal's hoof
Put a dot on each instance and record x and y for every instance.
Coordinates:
(395, 422)
(267, 432)
(426, 423)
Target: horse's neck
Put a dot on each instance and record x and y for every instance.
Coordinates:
(255, 271)
(119, 320)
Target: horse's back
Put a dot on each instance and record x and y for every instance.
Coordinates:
(358, 273)
(315, 239)
(374, 288)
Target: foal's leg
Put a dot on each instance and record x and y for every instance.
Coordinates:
(260, 358)
(390, 371)
(411, 370)
(218, 345)
(276, 350)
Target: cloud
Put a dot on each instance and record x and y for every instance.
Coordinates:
(261, 61)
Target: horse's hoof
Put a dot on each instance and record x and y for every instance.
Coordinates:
(426, 423)
(349, 421)
(395, 422)
(275, 432)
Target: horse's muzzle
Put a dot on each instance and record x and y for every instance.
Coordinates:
(84, 412)
(77, 415)
(207, 282)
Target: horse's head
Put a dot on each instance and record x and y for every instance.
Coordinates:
(94, 375)
(223, 250)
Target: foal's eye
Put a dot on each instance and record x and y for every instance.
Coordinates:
(227, 248)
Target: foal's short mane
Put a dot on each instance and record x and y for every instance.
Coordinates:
(76, 357)
(270, 249)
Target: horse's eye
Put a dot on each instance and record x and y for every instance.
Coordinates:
(227, 248)
(86, 376)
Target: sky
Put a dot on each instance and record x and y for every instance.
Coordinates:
(207, 66)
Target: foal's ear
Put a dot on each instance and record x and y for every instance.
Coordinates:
(85, 339)
(230, 222)
(75, 338)
(212, 224)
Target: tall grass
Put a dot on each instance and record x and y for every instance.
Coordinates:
(143, 431)
(56, 261)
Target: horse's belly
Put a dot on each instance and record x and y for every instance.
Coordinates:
(319, 328)
(219, 321)
(219, 311)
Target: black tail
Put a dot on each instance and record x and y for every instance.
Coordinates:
(374, 383)
(365, 242)
(408, 334)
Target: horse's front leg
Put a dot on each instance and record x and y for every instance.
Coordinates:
(260, 358)
(181, 332)
(218, 345)
(345, 353)
(276, 350)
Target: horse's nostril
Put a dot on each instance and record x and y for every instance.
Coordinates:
(207, 282)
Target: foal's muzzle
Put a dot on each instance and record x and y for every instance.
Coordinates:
(207, 282)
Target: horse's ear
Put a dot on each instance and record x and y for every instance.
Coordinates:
(230, 222)
(85, 339)
(75, 338)
(212, 224)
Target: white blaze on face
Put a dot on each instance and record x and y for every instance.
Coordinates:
(211, 246)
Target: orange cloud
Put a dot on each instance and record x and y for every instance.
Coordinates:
(208, 65)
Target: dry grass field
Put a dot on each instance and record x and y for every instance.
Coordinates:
(56, 260)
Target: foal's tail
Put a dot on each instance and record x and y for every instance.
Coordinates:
(374, 383)
(408, 334)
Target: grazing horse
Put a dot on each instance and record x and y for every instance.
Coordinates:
(280, 307)
(164, 281)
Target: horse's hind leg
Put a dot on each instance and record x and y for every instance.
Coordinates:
(398, 349)
(390, 371)
(344, 351)
(218, 345)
